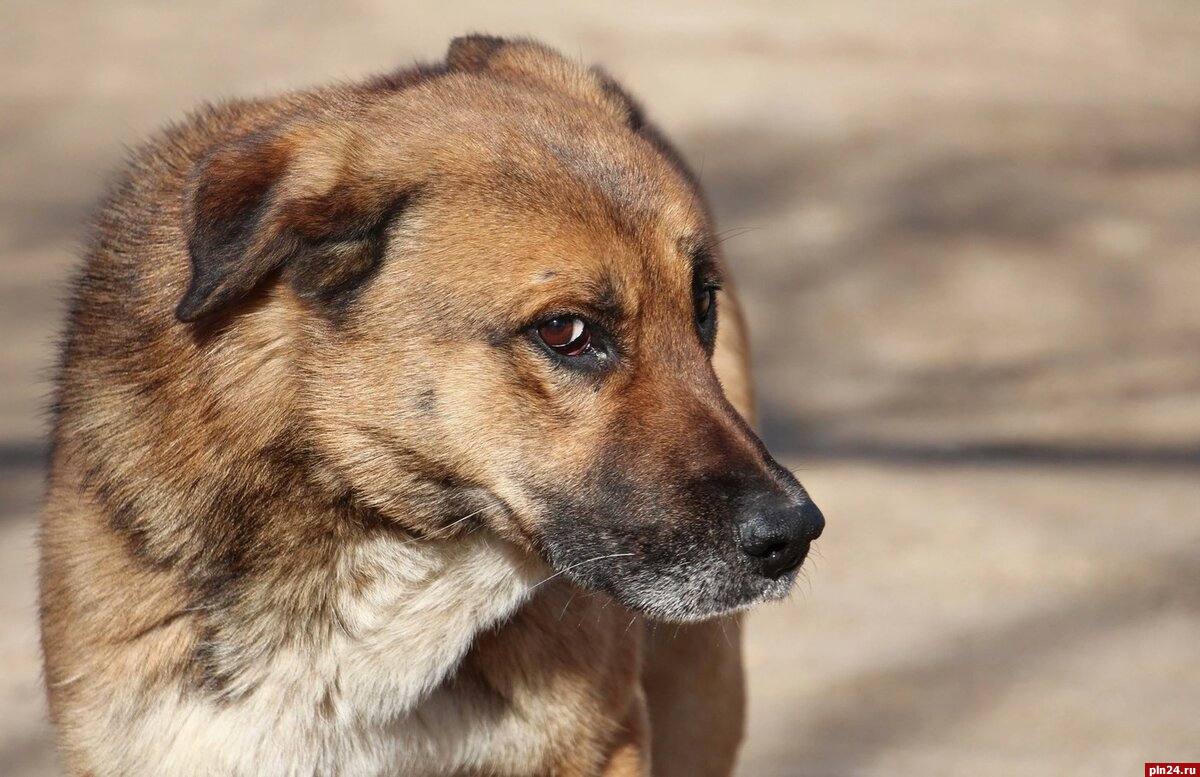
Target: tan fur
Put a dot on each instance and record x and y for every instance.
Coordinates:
(307, 464)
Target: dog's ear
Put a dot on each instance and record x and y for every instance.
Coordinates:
(527, 60)
(293, 199)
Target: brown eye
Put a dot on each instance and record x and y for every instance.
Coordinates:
(704, 303)
(567, 336)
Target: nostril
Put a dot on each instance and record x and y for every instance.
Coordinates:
(778, 537)
(775, 552)
(764, 548)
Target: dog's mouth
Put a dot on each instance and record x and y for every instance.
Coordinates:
(684, 551)
(688, 590)
(677, 578)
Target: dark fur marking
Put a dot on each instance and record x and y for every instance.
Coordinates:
(471, 52)
(427, 401)
(239, 234)
(437, 493)
(334, 271)
(156, 626)
(609, 302)
(325, 707)
(407, 77)
(635, 116)
(224, 213)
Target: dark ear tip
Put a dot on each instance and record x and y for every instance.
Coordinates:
(195, 305)
(188, 311)
(471, 52)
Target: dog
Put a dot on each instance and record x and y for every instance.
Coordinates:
(391, 417)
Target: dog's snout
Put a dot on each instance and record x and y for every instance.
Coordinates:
(777, 536)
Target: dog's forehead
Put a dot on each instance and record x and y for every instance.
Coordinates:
(532, 143)
(568, 196)
(610, 193)
(633, 182)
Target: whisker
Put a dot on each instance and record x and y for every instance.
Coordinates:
(578, 564)
(570, 599)
(807, 583)
(603, 606)
(450, 525)
(464, 518)
(726, 235)
(728, 641)
(68, 681)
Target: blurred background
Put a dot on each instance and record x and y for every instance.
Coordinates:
(968, 234)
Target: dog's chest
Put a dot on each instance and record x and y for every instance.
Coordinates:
(372, 698)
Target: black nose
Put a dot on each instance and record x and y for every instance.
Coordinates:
(777, 536)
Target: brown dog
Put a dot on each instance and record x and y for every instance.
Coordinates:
(388, 420)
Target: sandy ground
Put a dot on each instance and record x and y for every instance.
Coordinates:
(969, 235)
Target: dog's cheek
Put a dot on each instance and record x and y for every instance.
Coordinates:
(502, 404)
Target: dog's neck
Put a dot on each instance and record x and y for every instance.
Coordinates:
(336, 591)
(398, 616)
(412, 611)
(363, 680)
(283, 559)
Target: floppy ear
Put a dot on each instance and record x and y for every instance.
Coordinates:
(523, 59)
(295, 199)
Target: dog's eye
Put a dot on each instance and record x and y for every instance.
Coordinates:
(705, 299)
(567, 336)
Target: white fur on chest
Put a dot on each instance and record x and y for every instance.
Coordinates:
(360, 703)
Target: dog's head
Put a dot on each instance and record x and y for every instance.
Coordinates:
(507, 294)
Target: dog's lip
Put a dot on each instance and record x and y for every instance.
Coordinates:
(739, 586)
